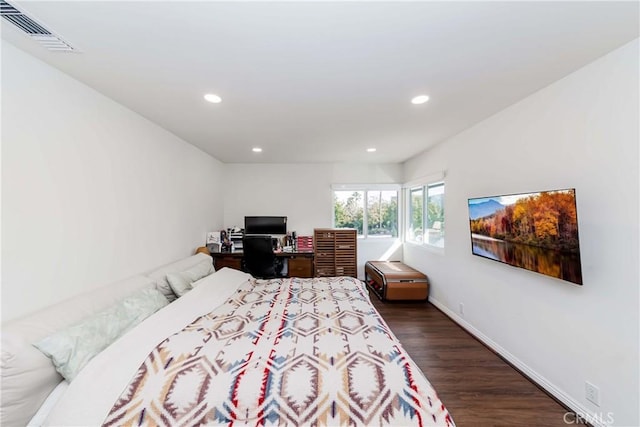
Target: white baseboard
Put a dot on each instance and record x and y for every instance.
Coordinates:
(591, 417)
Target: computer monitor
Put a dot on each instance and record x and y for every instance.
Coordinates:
(265, 225)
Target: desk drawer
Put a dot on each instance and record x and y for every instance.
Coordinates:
(300, 267)
(235, 263)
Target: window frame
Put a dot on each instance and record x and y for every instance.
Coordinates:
(366, 188)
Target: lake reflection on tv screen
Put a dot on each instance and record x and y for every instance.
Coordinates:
(535, 231)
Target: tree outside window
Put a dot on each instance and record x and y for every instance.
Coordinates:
(373, 213)
(382, 213)
(348, 210)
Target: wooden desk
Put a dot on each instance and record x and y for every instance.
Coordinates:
(299, 264)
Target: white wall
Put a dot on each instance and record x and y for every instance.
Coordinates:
(580, 132)
(91, 192)
(303, 193)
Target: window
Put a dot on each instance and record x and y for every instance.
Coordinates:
(416, 198)
(348, 210)
(435, 215)
(382, 213)
(425, 221)
(373, 212)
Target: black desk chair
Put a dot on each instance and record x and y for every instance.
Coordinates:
(259, 259)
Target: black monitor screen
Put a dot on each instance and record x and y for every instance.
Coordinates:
(265, 225)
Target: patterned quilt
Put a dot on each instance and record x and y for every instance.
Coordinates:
(298, 352)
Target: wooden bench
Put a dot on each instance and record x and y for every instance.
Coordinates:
(395, 281)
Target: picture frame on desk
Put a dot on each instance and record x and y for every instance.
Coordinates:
(213, 241)
(213, 237)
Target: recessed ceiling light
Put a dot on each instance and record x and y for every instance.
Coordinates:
(420, 99)
(211, 97)
(256, 150)
(371, 150)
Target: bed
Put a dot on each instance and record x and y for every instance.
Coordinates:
(240, 351)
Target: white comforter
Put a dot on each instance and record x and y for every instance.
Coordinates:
(92, 393)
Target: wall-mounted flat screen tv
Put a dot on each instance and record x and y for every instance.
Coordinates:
(265, 225)
(535, 231)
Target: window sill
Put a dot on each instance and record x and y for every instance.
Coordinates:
(378, 239)
(426, 247)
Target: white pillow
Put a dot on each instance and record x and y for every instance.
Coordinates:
(160, 274)
(72, 348)
(181, 282)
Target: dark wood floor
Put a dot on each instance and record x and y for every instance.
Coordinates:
(477, 387)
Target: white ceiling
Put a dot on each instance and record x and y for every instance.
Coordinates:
(323, 81)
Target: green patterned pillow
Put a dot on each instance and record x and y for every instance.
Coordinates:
(72, 348)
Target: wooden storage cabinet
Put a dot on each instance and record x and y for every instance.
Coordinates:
(335, 252)
(323, 247)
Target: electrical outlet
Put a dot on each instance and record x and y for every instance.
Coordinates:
(461, 309)
(592, 393)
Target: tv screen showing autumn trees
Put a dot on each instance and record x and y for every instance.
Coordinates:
(535, 231)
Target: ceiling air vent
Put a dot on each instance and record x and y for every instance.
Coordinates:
(33, 29)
